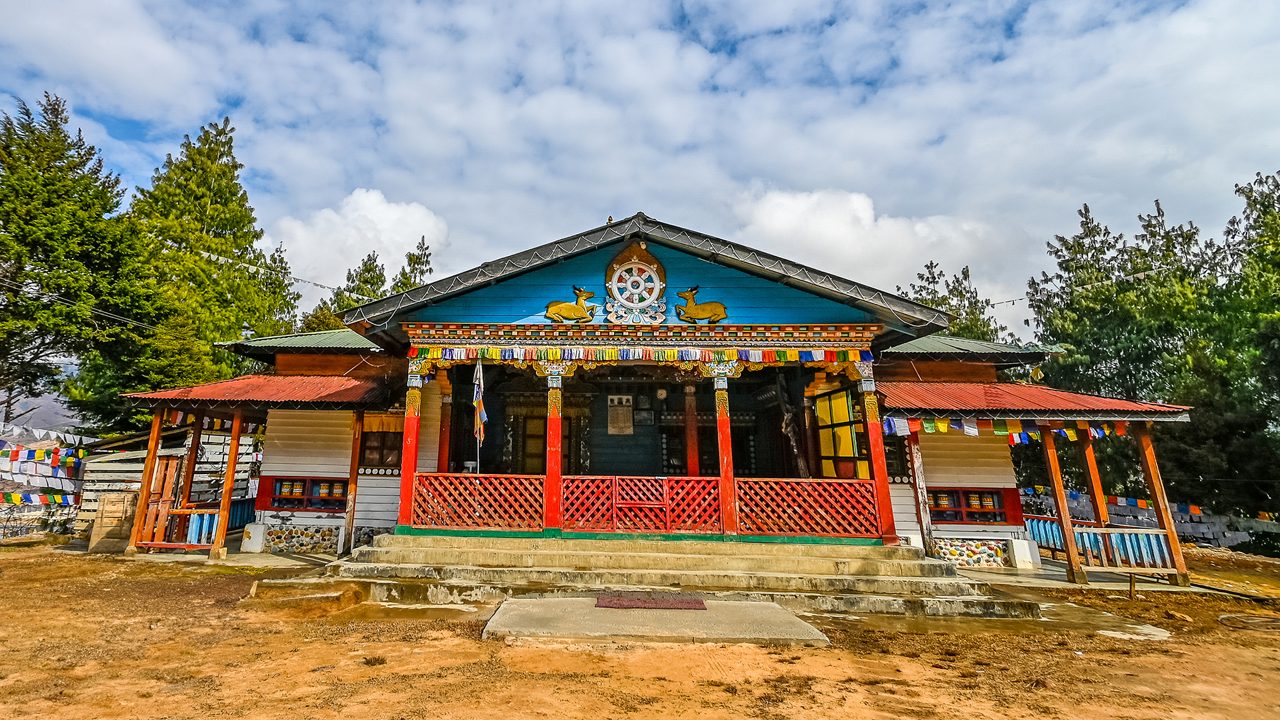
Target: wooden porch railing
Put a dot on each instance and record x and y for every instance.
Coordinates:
(626, 503)
(477, 502)
(1123, 549)
(189, 528)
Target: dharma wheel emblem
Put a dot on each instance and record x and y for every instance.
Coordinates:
(636, 282)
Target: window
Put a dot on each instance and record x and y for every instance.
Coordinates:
(897, 461)
(320, 494)
(380, 450)
(975, 506)
(842, 436)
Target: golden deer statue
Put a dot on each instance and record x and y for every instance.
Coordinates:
(693, 311)
(572, 312)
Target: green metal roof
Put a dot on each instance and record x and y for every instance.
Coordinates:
(339, 342)
(947, 347)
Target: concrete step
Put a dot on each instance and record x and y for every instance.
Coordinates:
(624, 544)
(673, 558)
(526, 577)
(416, 592)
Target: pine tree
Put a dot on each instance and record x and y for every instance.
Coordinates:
(956, 294)
(212, 283)
(365, 283)
(68, 266)
(198, 215)
(417, 267)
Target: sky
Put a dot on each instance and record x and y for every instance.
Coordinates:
(862, 137)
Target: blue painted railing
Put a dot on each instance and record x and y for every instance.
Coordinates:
(241, 513)
(1120, 548)
(202, 525)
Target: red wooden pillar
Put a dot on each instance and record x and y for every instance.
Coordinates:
(552, 482)
(1075, 572)
(218, 551)
(879, 470)
(148, 470)
(691, 430)
(1155, 488)
(409, 448)
(446, 420)
(724, 436)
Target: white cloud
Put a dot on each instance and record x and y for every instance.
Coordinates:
(841, 232)
(324, 245)
(977, 127)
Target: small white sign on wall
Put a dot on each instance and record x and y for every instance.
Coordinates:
(621, 416)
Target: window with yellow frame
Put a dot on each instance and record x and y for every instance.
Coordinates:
(842, 436)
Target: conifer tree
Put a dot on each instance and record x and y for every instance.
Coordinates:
(365, 283)
(956, 294)
(417, 267)
(69, 268)
(212, 283)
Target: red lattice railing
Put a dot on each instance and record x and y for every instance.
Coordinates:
(499, 502)
(621, 503)
(781, 506)
(641, 504)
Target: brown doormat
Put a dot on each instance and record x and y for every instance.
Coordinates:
(650, 601)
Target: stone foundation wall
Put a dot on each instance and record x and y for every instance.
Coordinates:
(301, 539)
(967, 552)
(365, 535)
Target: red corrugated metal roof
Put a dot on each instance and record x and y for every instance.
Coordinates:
(274, 389)
(970, 397)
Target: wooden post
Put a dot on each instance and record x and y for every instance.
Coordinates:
(724, 438)
(879, 470)
(923, 515)
(691, 431)
(353, 478)
(409, 448)
(446, 420)
(218, 551)
(193, 456)
(148, 470)
(1155, 488)
(1099, 499)
(552, 482)
(811, 423)
(1075, 572)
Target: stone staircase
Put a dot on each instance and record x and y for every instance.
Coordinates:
(804, 577)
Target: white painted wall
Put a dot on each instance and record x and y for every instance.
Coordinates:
(317, 443)
(954, 459)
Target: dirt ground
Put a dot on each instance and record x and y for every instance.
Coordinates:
(1235, 571)
(102, 637)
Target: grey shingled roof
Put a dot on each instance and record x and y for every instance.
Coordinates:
(903, 318)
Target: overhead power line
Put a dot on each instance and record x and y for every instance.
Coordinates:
(53, 297)
(274, 271)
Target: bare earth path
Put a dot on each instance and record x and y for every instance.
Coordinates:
(98, 637)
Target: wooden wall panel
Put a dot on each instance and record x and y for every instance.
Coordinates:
(353, 365)
(935, 371)
(903, 499)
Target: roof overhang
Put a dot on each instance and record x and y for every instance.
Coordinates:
(1017, 401)
(265, 392)
(903, 319)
